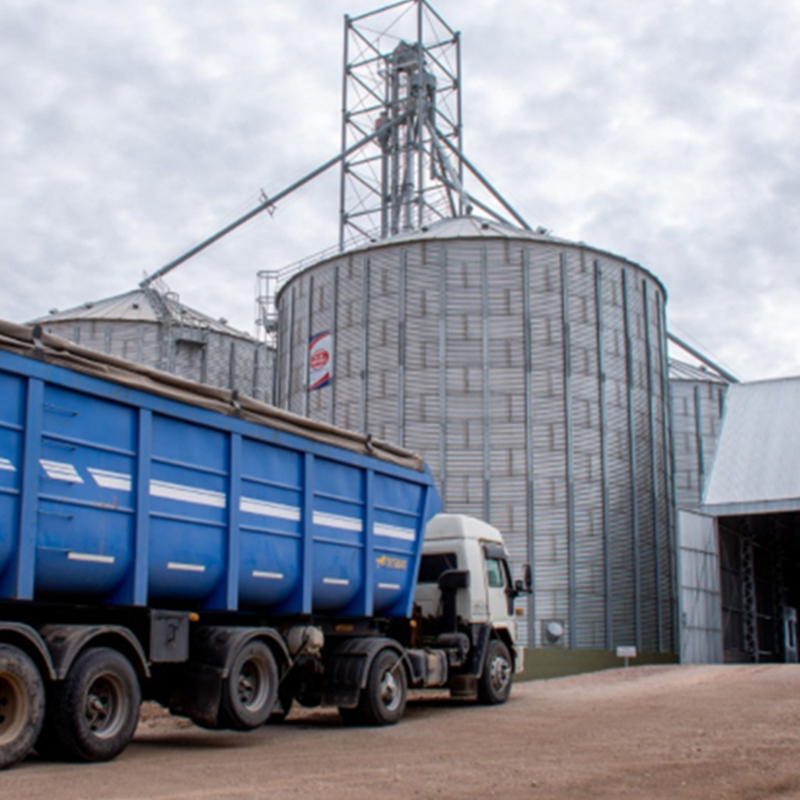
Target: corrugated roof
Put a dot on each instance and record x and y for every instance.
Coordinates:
(681, 371)
(142, 305)
(469, 228)
(448, 229)
(757, 466)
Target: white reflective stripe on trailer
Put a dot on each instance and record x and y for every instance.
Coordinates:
(93, 558)
(274, 576)
(338, 521)
(177, 565)
(187, 494)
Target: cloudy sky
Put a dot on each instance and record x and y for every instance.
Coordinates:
(668, 133)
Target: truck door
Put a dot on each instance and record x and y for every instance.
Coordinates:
(498, 583)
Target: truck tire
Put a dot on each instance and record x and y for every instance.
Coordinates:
(94, 710)
(383, 699)
(494, 685)
(21, 705)
(250, 691)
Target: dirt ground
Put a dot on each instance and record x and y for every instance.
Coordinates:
(643, 732)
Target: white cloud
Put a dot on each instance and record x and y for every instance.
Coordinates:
(664, 133)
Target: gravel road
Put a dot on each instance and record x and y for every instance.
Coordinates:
(644, 732)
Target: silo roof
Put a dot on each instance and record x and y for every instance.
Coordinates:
(453, 228)
(681, 371)
(470, 227)
(141, 305)
(467, 227)
(757, 465)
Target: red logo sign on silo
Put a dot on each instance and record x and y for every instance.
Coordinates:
(320, 360)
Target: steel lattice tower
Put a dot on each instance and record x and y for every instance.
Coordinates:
(402, 79)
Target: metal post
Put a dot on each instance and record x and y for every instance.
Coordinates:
(309, 334)
(419, 143)
(459, 122)
(336, 365)
(442, 370)
(568, 435)
(699, 443)
(401, 349)
(637, 589)
(603, 410)
(669, 470)
(529, 444)
(365, 295)
(653, 465)
(343, 170)
(487, 398)
(290, 350)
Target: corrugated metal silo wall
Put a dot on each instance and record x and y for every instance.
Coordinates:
(201, 355)
(531, 376)
(697, 409)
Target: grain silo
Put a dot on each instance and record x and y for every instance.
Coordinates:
(530, 372)
(698, 402)
(152, 327)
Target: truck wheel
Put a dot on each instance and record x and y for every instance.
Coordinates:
(383, 699)
(94, 710)
(494, 685)
(21, 705)
(251, 688)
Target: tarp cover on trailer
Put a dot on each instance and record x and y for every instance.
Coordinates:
(34, 343)
(757, 466)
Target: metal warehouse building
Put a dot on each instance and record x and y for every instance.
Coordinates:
(531, 373)
(740, 549)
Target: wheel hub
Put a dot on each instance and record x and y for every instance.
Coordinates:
(390, 696)
(104, 709)
(13, 708)
(500, 673)
(252, 684)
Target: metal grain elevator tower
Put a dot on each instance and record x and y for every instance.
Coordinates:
(402, 81)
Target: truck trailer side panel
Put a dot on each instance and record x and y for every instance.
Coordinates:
(117, 496)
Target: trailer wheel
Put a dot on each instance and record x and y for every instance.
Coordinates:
(251, 688)
(94, 710)
(21, 705)
(383, 699)
(494, 685)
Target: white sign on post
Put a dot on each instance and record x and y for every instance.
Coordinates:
(626, 652)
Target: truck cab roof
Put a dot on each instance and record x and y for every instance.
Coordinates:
(450, 526)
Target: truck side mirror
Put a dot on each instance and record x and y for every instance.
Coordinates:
(454, 579)
(524, 586)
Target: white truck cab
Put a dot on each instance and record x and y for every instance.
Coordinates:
(458, 543)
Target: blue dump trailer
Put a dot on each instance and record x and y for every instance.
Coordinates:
(173, 542)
